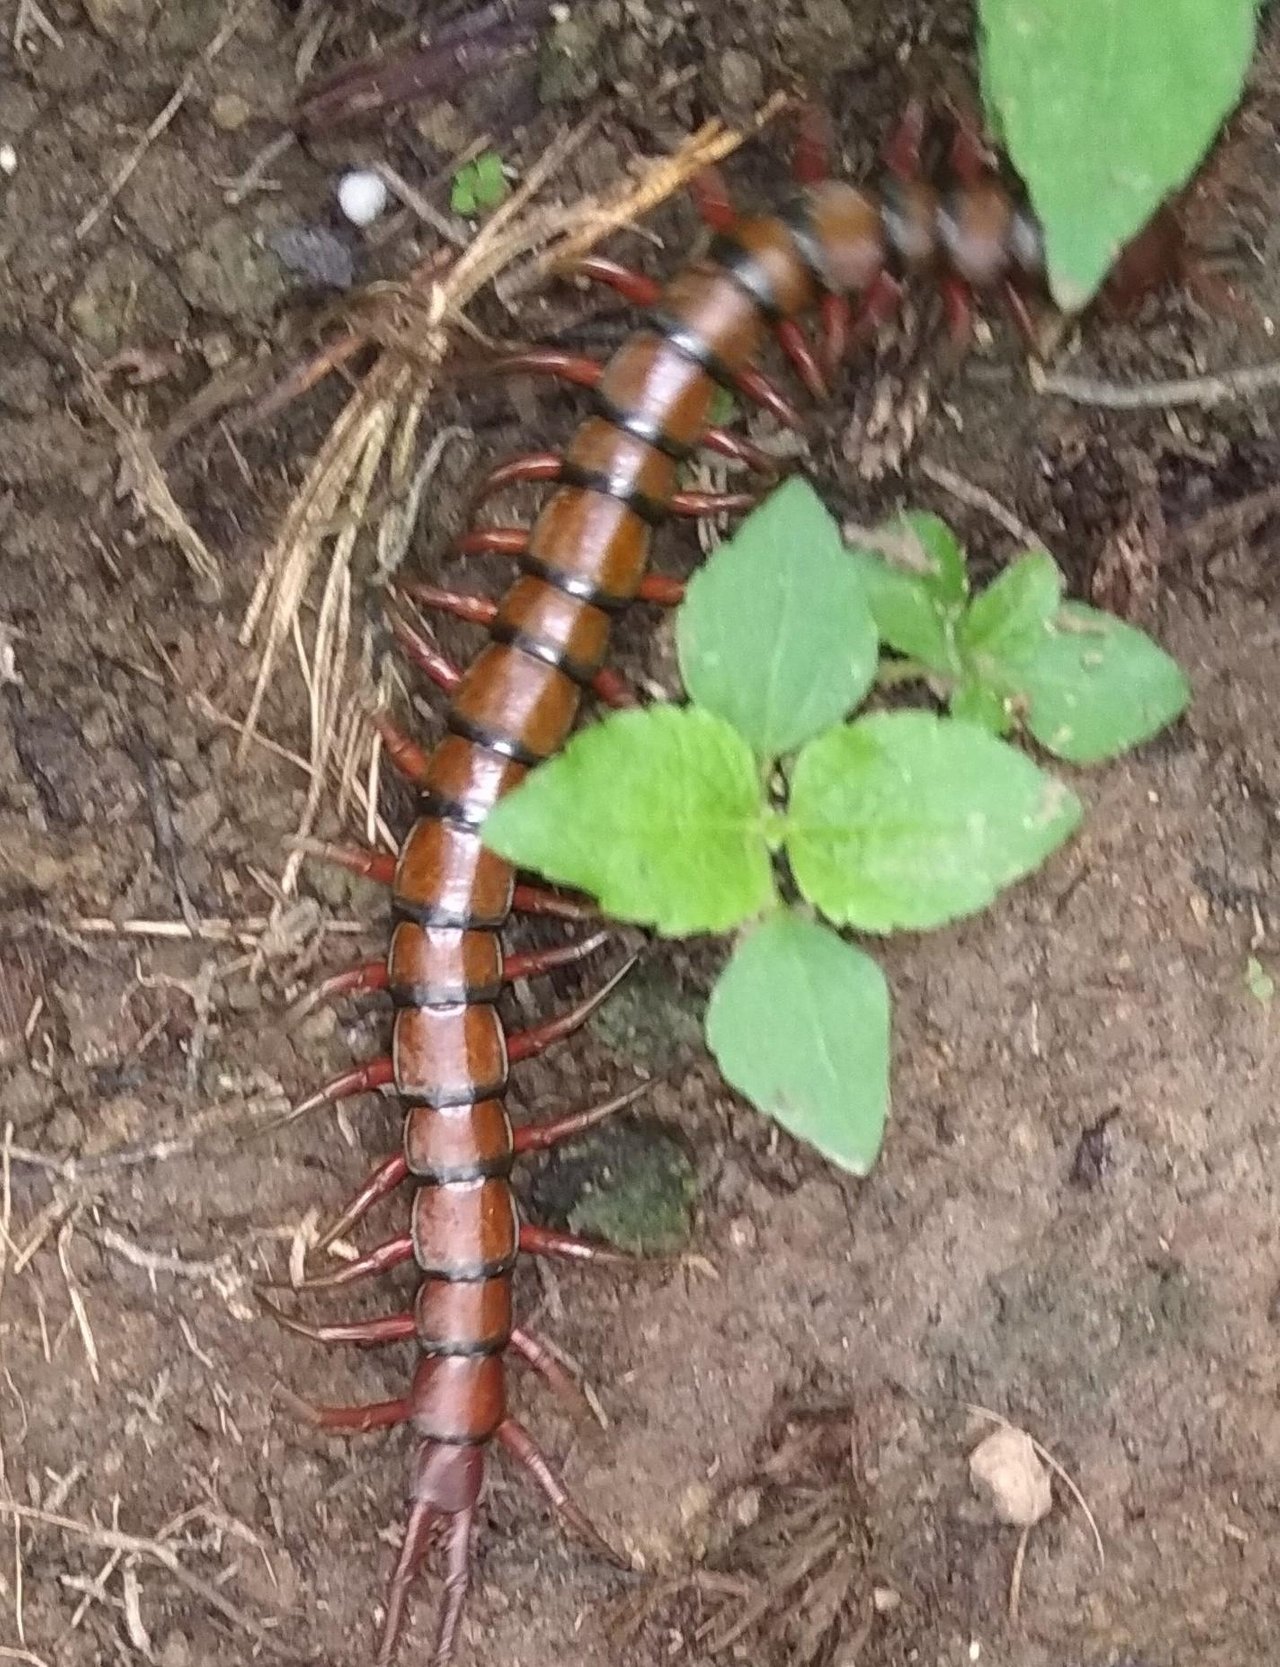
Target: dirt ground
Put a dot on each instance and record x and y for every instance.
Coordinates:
(1074, 1223)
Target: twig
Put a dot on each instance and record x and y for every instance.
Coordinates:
(1015, 1576)
(1190, 390)
(977, 497)
(1054, 1465)
(126, 170)
(157, 1261)
(216, 929)
(77, 1300)
(132, 1545)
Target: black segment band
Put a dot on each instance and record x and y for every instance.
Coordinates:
(445, 995)
(641, 428)
(652, 510)
(690, 345)
(797, 220)
(505, 746)
(551, 654)
(572, 584)
(434, 914)
(745, 270)
(472, 1351)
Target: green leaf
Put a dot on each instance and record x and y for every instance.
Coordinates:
(905, 819)
(799, 1024)
(659, 814)
(917, 585)
(1097, 687)
(479, 185)
(774, 634)
(1107, 107)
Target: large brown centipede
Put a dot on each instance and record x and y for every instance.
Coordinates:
(841, 252)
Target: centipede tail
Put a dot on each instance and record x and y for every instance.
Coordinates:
(839, 255)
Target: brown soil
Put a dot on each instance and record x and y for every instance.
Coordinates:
(1074, 1222)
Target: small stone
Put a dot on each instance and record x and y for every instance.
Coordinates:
(362, 196)
(8, 159)
(1006, 1471)
(230, 112)
(314, 254)
(885, 1600)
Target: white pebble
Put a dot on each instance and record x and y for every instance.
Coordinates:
(362, 196)
(8, 159)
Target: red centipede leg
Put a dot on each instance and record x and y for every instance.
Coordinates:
(538, 961)
(536, 466)
(387, 1328)
(811, 159)
(378, 866)
(381, 1259)
(733, 446)
(538, 900)
(633, 286)
(614, 690)
(901, 154)
(567, 1247)
(880, 302)
(957, 305)
(540, 1137)
(536, 1355)
(417, 1537)
(423, 654)
(658, 588)
(361, 1079)
(376, 1415)
(795, 344)
(528, 1044)
(711, 198)
(525, 1450)
(494, 541)
(575, 368)
(404, 752)
(755, 386)
(969, 160)
(1020, 313)
(355, 981)
(379, 1185)
(713, 503)
(833, 339)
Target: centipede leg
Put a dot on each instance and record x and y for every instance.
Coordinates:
(379, 1185)
(836, 314)
(632, 286)
(405, 754)
(664, 591)
(378, 866)
(525, 1450)
(574, 368)
(538, 900)
(880, 302)
(540, 1137)
(567, 1247)
(711, 198)
(387, 1328)
(355, 1420)
(539, 961)
(957, 305)
(417, 1537)
(795, 344)
(1020, 313)
(713, 503)
(361, 1079)
(528, 1044)
(517, 471)
(811, 159)
(539, 1358)
(493, 541)
(381, 1259)
(734, 447)
(424, 654)
(901, 154)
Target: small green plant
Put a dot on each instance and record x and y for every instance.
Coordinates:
(757, 807)
(478, 186)
(1106, 108)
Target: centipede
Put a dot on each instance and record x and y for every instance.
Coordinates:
(817, 277)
